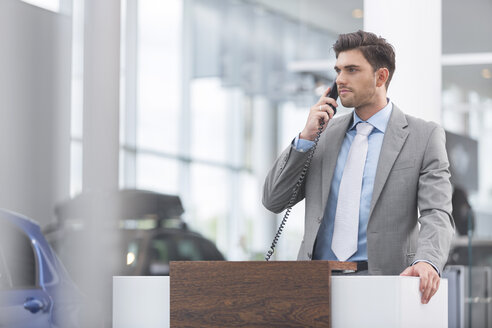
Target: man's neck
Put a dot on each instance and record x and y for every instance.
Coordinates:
(366, 111)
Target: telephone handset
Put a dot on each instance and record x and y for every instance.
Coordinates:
(332, 94)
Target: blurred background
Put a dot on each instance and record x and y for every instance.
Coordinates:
(193, 100)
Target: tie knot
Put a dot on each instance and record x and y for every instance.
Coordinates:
(364, 128)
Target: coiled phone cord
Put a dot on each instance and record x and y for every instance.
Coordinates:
(295, 192)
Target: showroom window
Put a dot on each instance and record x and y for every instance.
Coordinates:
(204, 87)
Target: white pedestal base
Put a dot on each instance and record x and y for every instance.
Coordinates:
(356, 301)
(140, 302)
(386, 301)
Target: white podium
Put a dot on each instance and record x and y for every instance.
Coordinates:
(141, 302)
(386, 301)
(356, 301)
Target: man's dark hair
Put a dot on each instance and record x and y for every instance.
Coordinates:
(377, 51)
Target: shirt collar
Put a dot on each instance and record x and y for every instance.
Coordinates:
(379, 120)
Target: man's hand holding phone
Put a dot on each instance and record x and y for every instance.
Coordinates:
(322, 111)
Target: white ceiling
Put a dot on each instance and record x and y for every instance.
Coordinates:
(467, 28)
(334, 16)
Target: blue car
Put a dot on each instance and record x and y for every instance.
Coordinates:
(35, 289)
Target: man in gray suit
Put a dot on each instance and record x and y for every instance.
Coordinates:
(405, 178)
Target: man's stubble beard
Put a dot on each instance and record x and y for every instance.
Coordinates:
(354, 102)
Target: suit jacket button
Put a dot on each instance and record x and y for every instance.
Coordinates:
(310, 256)
(320, 219)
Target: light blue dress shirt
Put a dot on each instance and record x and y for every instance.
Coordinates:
(323, 249)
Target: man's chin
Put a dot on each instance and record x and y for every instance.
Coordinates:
(347, 103)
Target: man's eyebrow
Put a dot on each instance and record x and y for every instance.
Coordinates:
(347, 66)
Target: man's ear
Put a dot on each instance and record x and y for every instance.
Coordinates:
(382, 75)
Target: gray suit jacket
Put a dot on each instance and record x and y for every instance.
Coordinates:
(412, 176)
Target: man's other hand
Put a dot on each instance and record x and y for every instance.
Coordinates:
(429, 279)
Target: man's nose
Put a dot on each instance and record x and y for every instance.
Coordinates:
(340, 79)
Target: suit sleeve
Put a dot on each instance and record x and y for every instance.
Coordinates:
(281, 179)
(434, 201)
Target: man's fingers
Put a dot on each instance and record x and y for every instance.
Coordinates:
(429, 279)
(429, 285)
(320, 116)
(434, 287)
(423, 283)
(437, 284)
(321, 111)
(407, 272)
(323, 115)
(425, 288)
(325, 106)
(328, 100)
(326, 92)
(327, 109)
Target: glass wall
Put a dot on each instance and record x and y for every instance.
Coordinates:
(467, 103)
(208, 72)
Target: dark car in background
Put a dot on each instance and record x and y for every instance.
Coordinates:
(148, 252)
(35, 289)
(146, 227)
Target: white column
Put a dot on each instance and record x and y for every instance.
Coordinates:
(185, 111)
(129, 120)
(100, 155)
(414, 29)
(101, 94)
(265, 151)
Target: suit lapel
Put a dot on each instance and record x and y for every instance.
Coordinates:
(334, 136)
(393, 141)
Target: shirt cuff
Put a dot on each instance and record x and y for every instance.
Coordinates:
(302, 145)
(417, 261)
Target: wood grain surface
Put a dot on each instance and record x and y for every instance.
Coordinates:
(252, 294)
